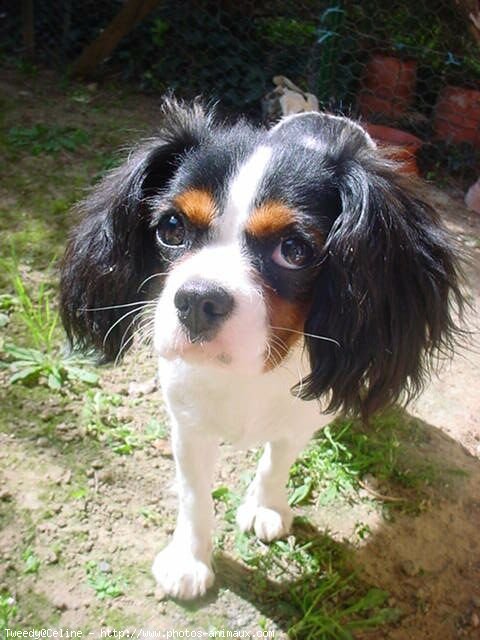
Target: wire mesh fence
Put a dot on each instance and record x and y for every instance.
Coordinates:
(413, 66)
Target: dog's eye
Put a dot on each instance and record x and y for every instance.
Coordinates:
(171, 230)
(292, 253)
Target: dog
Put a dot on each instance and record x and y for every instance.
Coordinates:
(292, 274)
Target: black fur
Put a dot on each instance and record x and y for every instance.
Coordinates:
(112, 251)
(388, 289)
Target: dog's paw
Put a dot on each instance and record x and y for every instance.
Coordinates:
(268, 524)
(180, 575)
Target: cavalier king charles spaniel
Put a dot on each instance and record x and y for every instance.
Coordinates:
(294, 273)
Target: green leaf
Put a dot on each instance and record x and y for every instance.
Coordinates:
(22, 353)
(221, 493)
(82, 374)
(25, 374)
(301, 493)
(54, 381)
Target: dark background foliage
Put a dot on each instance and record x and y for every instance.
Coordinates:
(229, 50)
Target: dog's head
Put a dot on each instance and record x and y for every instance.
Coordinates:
(248, 241)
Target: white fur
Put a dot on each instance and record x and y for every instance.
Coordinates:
(208, 405)
(219, 391)
(241, 193)
(311, 142)
(242, 339)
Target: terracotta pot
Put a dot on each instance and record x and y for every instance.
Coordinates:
(472, 197)
(403, 146)
(388, 87)
(457, 115)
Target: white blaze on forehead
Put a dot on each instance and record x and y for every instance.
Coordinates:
(242, 191)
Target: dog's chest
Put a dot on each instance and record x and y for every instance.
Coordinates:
(243, 410)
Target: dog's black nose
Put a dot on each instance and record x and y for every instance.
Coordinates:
(202, 306)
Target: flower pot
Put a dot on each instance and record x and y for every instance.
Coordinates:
(472, 197)
(457, 115)
(388, 87)
(403, 146)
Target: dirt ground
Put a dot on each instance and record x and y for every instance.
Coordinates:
(80, 522)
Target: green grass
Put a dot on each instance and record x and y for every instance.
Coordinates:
(101, 419)
(40, 360)
(309, 583)
(342, 454)
(46, 138)
(31, 561)
(309, 586)
(102, 582)
(8, 610)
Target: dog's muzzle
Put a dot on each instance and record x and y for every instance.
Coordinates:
(202, 307)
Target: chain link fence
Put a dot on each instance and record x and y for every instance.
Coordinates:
(411, 67)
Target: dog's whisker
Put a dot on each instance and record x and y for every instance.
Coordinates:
(145, 332)
(119, 306)
(122, 349)
(268, 352)
(124, 344)
(279, 342)
(125, 333)
(125, 315)
(276, 355)
(154, 275)
(308, 335)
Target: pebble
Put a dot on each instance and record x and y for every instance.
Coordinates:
(105, 476)
(52, 557)
(5, 496)
(104, 566)
(59, 602)
(42, 442)
(159, 594)
(409, 569)
(475, 620)
(97, 464)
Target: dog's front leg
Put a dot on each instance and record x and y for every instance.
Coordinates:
(183, 569)
(265, 509)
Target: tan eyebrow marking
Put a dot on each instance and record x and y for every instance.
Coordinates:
(269, 218)
(198, 205)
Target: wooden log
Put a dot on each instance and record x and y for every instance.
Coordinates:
(28, 28)
(132, 12)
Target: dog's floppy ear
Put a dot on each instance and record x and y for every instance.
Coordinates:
(112, 251)
(387, 291)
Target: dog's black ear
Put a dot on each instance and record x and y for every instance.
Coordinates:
(112, 250)
(388, 290)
